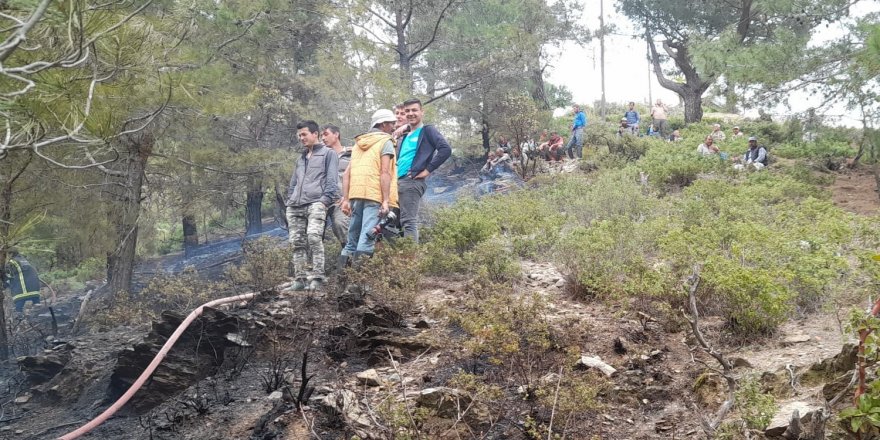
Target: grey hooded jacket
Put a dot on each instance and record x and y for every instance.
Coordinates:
(310, 183)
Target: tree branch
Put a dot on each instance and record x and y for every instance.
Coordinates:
(11, 43)
(710, 426)
(430, 41)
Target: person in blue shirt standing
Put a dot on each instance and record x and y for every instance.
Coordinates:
(575, 147)
(421, 152)
(632, 118)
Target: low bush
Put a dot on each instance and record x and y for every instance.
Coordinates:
(265, 264)
(753, 406)
(179, 293)
(392, 276)
(673, 166)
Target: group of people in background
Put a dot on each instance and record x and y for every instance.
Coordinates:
(381, 177)
(631, 121)
(755, 157)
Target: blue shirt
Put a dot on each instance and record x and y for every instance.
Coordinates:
(580, 119)
(632, 117)
(408, 150)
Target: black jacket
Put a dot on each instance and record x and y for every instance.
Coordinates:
(431, 152)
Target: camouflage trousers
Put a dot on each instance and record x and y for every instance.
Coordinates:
(305, 229)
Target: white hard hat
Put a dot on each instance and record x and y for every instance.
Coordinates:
(382, 115)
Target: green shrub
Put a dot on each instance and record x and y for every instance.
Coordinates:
(265, 264)
(670, 166)
(491, 262)
(392, 276)
(820, 149)
(611, 259)
(755, 407)
(463, 226)
(751, 299)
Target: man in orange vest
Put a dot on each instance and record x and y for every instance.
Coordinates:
(369, 188)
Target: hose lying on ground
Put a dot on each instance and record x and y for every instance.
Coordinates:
(94, 423)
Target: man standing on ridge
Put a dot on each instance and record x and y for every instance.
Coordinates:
(421, 152)
(338, 221)
(314, 187)
(575, 147)
(370, 185)
(632, 119)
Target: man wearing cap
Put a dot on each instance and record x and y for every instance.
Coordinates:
(623, 128)
(369, 188)
(421, 152)
(737, 133)
(756, 155)
(314, 187)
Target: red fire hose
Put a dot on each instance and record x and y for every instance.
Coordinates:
(152, 367)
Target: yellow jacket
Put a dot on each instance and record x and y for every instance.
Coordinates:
(366, 168)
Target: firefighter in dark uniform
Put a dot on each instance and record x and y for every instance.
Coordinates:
(22, 281)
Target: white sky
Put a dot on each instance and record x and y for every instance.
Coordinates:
(627, 70)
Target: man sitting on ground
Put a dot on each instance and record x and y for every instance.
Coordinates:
(489, 162)
(756, 156)
(717, 134)
(675, 136)
(737, 133)
(555, 146)
(708, 148)
(623, 128)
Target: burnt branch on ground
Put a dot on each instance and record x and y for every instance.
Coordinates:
(710, 425)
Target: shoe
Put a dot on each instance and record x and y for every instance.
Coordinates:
(316, 284)
(298, 285)
(341, 263)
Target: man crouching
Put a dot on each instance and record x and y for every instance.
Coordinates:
(369, 187)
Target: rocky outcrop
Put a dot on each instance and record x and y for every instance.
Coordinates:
(197, 354)
(380, 332)
(42, 368)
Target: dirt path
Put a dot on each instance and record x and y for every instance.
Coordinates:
(856, 191)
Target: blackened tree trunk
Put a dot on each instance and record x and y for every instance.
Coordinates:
(254, 205)
(280, 206)
(135, 150)
(188, 219)
(190, 233)
(484, 128)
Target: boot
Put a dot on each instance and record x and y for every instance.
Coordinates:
(316, 285)
(298, 285)
(341, 263)
(360, 258)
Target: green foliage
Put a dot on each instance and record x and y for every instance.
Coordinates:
(630, 148)
(392, 277)
(265, 264)
(755, 407)
(864, 418)
(511, 331)
(821, 149)
(676, 166)
(610, 259)
(179, 293)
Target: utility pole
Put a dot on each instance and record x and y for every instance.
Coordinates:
(648, 51)
(602, 53)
